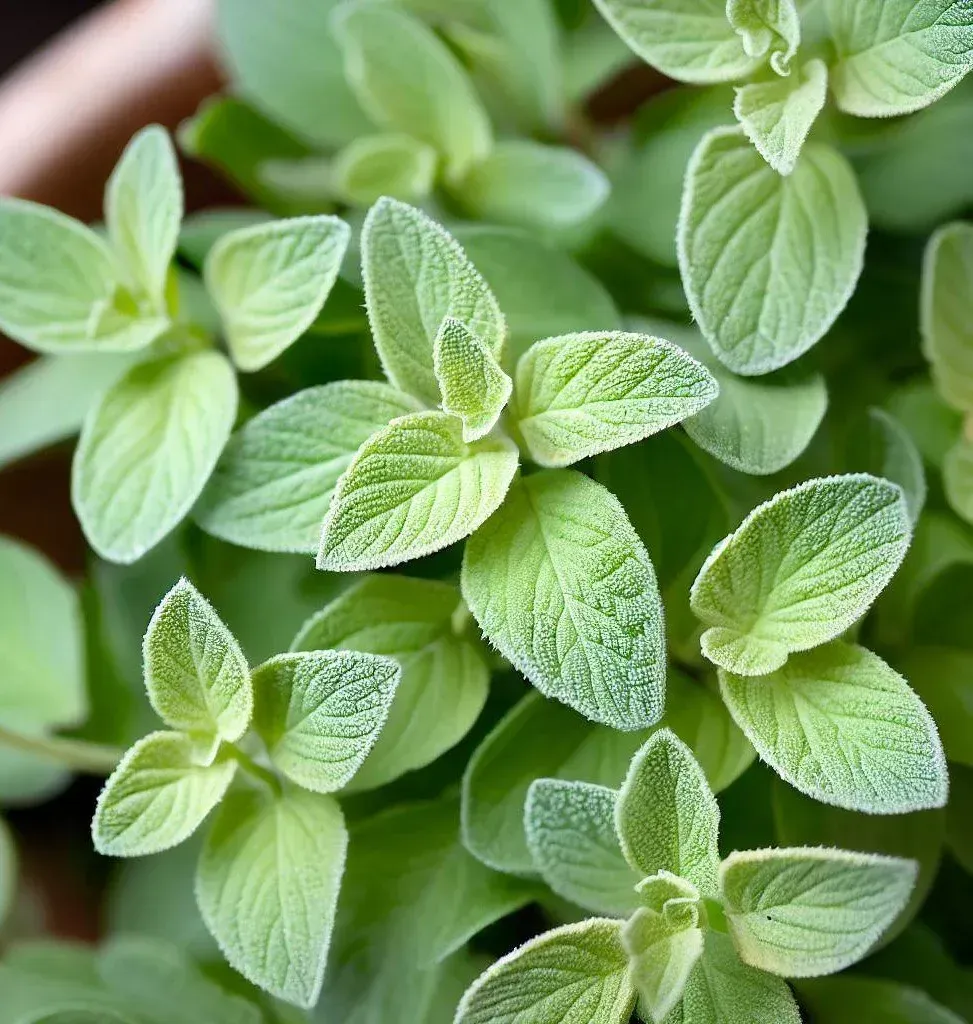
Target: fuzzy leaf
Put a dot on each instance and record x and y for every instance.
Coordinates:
(384, 165)
(899, 56)
(267, 885)
(661, 957)
(839, 725)
(273, 484)
(444, 680)
(577, 974)
(777, 115)
(767, 26)
(196, 675)
(415, 276)
(157, 796)
(148, 448)
(473, 386)
(825, 549)
(881, 446)
(802, 912)
(582, 394)
(270, 281)
(320, 712)
(560, 582)
(767, 262)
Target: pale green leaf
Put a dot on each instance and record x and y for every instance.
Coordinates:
(267, 886)
(689, 40)
(413, 488)
(661, 957)
(415, 276)
(767, 27)
(570, 829)
(900, 55)
(851, 999)
(473, 385)
(931, 424)
(148, 448)
(270, 281)
(273, 484)
(157, 796)
(583, 394)
(524, 182)
(666, 817)
(767, 262)
(320, 712)
(673, 897)
(839, 725)
(777, 115)
(883, 447)
(577, 974)
(943, 678)
(560, 582)
(409, 81)
(384, 165)
(808, 911)
(825, 550)
(444, 680)
(195, 673)
(958, 478)
(143, 212)
(8, 870)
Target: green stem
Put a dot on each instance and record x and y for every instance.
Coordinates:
(250, 766)
(79, 755)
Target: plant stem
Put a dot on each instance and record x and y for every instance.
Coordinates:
(79, 755)
(250, 766)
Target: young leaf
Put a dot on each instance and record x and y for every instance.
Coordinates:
(560, 582)
(273, 484)
(270, 281)
(839, 725)
(570, 829)
(741, 228)
(267, 885)
(413, 488)
(588, 393)
(320, 712)
(898, 57)
(524, 182)
(566, 976)
(143, 212)
(958, 478)
(807, 911)
(444, 680)
(666, 816)
(777, 115)
(673, 897)
(883, 447)
(767, 26)
(409, 81)
(662, 957)
(689, 40)
(393, 165)
(195, 673)
(415, 276)
(157, 796)
(825, 550)
(148, 448)
(473, 386)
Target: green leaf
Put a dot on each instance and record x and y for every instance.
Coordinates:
(570, 829)
(808, 911)
(583, 394)
(560, 582)
(195, 673)
(270, 281)
(384, 165)
(900, 57)
(157, 796)
(8, 870)
(320, 712)
(148, 448)
(666, 817)
(273, 484)
(574, 974)
(661, 956)
(958, 478)
(524, 182)
(777, 115)
(852, 998)
(881, 446)
(473, 386)
(413, 488)
(767, 26)
(943, 678)
(826, 549)
(839, 725)
(143, 212)
(444, 680)
(202, 230)
(409, 81)
(689, 40)
(947, 279)
(267, 886)
(415, 276)
(741, 227)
